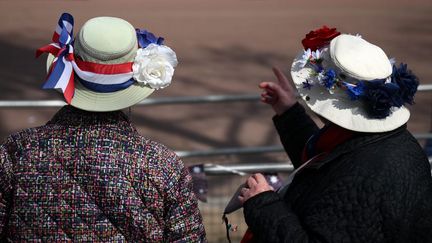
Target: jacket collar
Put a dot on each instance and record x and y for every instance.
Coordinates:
(73, 117)
(360, 140)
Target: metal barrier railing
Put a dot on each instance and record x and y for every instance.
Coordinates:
(211, 152)
(231, 151)
(236, 169)
(215, 169)
(254, 150)
(158, 101)
(146, 102)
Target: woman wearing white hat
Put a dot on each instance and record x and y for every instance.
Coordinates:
(87, 175)
(362, 177)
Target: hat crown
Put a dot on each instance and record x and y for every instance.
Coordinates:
(359, 59)
(107, 40)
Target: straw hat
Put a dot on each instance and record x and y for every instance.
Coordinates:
(113, 65)
(352, 83)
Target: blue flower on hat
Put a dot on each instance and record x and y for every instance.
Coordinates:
(380, 97)
(329, 78)
(407, 82)
(355, 91)
(146, 38)
(307, 84)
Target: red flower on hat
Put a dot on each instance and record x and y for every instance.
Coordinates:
(319, 38)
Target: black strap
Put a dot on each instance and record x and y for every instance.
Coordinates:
(227, 227)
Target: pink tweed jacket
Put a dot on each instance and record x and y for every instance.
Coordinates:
(90, 177)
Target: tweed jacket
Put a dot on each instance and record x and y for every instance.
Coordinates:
(90, 177)
(371, 188)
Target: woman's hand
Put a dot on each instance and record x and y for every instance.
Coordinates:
(281, 95)
(254, 185)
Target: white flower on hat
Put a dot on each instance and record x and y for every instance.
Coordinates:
(307, 54)
(154, 66)
(316, 55)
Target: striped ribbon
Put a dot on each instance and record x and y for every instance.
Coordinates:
(94, 76)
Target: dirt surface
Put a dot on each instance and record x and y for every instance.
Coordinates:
(224, 47)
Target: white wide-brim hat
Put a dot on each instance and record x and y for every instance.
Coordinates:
(106, 40)
(108, 44)
(355, 58)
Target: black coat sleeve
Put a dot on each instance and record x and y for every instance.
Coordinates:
(271, 219)
(294, 128)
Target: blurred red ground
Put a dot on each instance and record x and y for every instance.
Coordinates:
(224, 47)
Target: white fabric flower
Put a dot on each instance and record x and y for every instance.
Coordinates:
(316, 55)
(154, 66)
(305, 57)
(320, 77)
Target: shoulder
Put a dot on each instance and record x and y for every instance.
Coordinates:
(32, 133)
(387, 158)
(395, 160)
(15, 140)
(399, 150)
(157, 150)
(158, 155)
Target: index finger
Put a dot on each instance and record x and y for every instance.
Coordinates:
(283, 80)
(251, 182)
(259, 178)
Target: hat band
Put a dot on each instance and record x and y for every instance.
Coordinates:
(104, 78)
(106, 88)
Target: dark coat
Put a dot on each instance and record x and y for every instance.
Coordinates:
(372, 188)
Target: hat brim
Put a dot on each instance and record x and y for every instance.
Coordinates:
(88, 100)
(339, 109)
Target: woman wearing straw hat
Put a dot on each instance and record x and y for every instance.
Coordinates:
(87, 175)
(362, 177)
